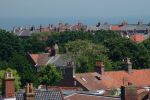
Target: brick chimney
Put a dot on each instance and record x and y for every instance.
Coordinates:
(128, 65)
(9, 85)
(129, 93)
(100, 67)
(29, 92)
(70, 70)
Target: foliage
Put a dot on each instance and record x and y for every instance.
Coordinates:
(15, 74)
(120, 48)
(34, 44)
(9, 45)
(12, 54)
(25, 70)
(86, 53)
(49, 75)
(84, 47)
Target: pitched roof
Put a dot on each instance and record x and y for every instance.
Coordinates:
(40, 59)
(51, 94)
(113, 79)
(137, 37)
(115, 27)
(88, 97)
(44, 59)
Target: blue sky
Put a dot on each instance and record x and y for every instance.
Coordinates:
(36, 12)
(74, 8)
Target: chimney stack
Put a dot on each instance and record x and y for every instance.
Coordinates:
(128, 65)
(129, 93)
(29, 92)
(70, 71)
(41, 28)
(100, 67)
(9, 85)
(56, 48)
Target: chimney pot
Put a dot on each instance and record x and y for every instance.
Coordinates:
(128, 65)
(29, 94)
(100, 67)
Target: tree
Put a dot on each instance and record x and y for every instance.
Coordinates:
(34, 44)
(85, 53)
(26, 71)
(49, 75)
(15, 74)
(9, 45)
(119, 48)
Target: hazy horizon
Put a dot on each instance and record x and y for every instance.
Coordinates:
(35, 12)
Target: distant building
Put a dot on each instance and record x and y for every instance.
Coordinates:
(61, 61)
(137, 38)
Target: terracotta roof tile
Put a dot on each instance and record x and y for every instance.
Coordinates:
(114, 79)
(137, 38)
(115, 28)
(34, 57)
(40, 59)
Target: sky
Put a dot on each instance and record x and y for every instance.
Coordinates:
(74, 9)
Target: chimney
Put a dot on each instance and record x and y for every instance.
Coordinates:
(100, 67)
(29, 92)
(40, 28)
(70, 71)
(9, 85)
(56, 49)
(128, 65)
(129, 93)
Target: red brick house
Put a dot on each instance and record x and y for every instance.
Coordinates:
(111, 79)
(137, 38)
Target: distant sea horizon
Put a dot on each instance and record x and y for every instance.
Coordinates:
(9, 23)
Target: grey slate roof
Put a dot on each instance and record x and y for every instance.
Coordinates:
(25, 33)
(135, 27)
(59, 60)
(43, 95)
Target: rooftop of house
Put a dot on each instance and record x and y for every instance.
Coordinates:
(137, 37)
(113, 79)
(53, 94)
(116, 28)
(58, 60)
(78, 96)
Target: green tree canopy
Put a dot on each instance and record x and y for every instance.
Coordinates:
(119, 48)
(9, 45)
(49, 75)
(85, 53)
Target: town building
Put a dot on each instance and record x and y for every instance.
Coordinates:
(101, 79)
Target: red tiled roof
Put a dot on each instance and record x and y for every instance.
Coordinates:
(137, 38)
(34, 57)
(40, 59)
(113, 79)
(115, 28)
(88, 97)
